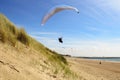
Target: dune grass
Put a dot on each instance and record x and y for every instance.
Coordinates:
(10, 34)
(22, 37)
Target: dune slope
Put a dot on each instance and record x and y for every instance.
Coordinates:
(23, 58)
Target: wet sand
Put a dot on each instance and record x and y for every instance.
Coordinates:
(93, 70)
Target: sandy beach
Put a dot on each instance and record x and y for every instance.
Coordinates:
(23, 66)
(93, 70)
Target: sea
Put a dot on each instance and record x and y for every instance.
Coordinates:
(111, 59)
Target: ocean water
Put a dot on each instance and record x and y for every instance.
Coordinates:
(112, 59)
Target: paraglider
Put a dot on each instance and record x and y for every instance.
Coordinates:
(60, 40)
(55, 10)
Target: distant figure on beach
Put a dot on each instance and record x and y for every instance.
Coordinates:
(100, 62)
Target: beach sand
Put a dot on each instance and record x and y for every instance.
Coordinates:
(93, 70)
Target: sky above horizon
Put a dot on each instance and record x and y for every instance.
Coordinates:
(92, 32)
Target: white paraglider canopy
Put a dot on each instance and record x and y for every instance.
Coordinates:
(55, 10)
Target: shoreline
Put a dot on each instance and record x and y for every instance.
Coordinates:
(103, 60)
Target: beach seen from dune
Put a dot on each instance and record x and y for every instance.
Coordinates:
(92, 69)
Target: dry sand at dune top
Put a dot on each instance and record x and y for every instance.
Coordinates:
(24, 64)
(92, 70)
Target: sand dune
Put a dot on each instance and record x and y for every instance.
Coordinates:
(26, 64)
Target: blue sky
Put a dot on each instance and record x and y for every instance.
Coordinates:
(92, 32)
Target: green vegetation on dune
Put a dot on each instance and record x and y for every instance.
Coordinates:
(11, 35)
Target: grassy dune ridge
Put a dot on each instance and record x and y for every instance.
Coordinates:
(17, 38)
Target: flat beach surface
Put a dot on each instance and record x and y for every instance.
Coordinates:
(93, 70)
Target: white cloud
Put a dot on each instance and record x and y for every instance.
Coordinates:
(114, 4)
(48, 41)
(108, 4)
(44, 39)
(97, 29)
(19, 25)
(44, 33)
(83, 47)
(92, 48)
(105, 12)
